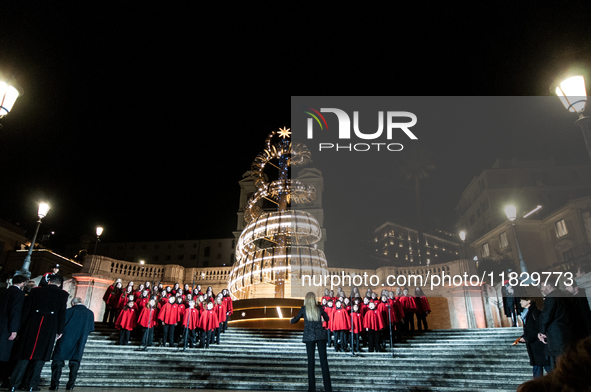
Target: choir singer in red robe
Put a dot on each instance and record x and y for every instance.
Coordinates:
(126, 322)
(209, 322)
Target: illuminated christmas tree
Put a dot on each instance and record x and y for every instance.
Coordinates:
(277, 247)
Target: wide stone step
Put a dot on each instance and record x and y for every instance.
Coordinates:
(298, 383)
(336, 365)
(369, 360)
(190, 371)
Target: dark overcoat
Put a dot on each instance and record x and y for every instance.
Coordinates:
(79, 324)
(312, 329)
(44, 313)
(555, 323)
(535, 348)
(11, 306)
(581, 316)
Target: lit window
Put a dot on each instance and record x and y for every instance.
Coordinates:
(485, 250)
(561, 228)
(503, 240)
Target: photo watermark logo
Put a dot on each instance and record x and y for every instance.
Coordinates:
(390, 118)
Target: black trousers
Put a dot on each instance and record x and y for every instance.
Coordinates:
(226, 324)
(340, 340)
(310, 350)
(399, 329)
(355, 342)
(422, 319)
(206, 338)
(147, 336)
(124, 337)
(372, 340)
(109, 316)
(409, 321)
(217, 333)
(168, 334)
(189, 337)
(17, 377)
(539, 370)
(56, 373)
(329, 336)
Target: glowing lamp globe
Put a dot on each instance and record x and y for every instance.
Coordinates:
(511, 212)
(572, 94)
(8, 96)
(463, 235)
(43, 209)
(99, 231)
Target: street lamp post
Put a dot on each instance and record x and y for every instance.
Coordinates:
(43, 209)
(99, 231)
(511, 212)
(573, 95)
(463, 238)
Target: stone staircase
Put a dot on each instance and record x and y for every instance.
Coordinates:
(438, 360)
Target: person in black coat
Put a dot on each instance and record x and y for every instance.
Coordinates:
(511, 303)
(580, 312)
(44, 312)
(11, 306)
(314, 335)
(79, 324)
(54, 272)
(531, 327)
(555, 323)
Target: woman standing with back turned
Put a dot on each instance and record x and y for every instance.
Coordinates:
(314, 335)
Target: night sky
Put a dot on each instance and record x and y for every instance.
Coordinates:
(143, 118)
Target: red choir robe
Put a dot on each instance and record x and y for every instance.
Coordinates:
(397, 306)
(191, 318)
(422, 304)
(209, 320)
(108, 293)
(348, 308)
(340, 320)
(329, 311)
(357, 323)
(180, 312)
(372, 320)
(113, 299)
(168, 314)
(383, 308)
(127, 319)
(142, 302)
(220, 311)
(122, 301)
(324, 322)
(148, 317)
(408, 304)
(363, 308)
(229, 305)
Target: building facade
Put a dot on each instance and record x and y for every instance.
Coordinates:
(189, 253)
(552, 240)
(526, 184)
(398, 245)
